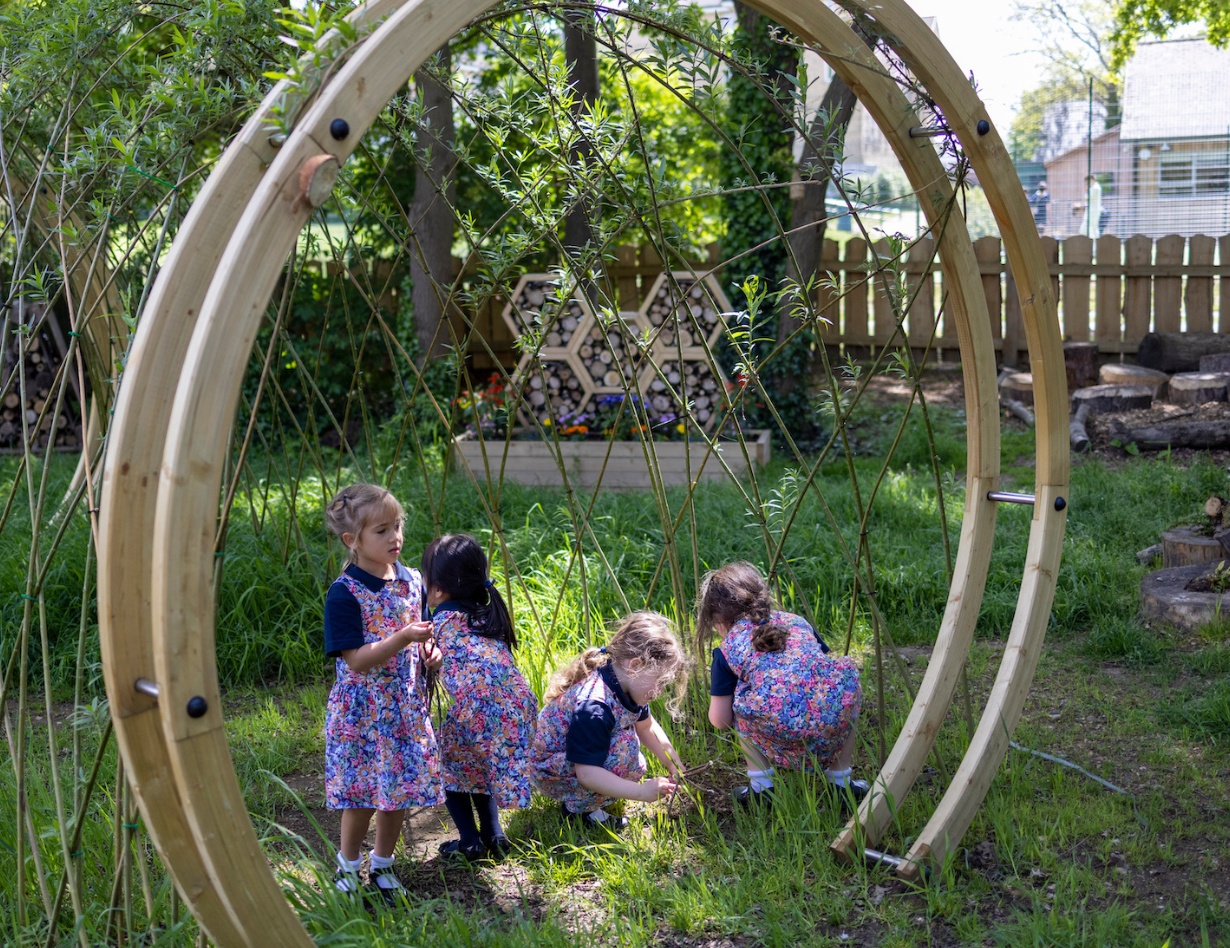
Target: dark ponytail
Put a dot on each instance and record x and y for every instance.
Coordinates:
(733, 592)
(456, 565)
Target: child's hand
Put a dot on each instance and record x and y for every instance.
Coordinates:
(415, 631)
(433, 658)
(655, 788)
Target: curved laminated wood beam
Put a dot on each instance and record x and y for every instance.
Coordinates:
(177, 751)
(129, 493)
(966, 306)
(925, 56)
(181, 582)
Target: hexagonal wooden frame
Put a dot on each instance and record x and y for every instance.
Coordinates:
(167, 446)
(522, 302)
(689, 282)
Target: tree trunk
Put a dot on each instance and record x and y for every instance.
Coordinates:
(581, 55)
(431, 210)
(823, 148)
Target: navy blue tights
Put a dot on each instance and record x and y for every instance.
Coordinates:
(461, 807)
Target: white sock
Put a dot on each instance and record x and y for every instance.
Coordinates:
(598, 816)
(760, 780)
(349, 880)
(385, 880)
(840, 778)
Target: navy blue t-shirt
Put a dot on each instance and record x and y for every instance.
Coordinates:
(344, 616)
(593, 723)
(722, 680)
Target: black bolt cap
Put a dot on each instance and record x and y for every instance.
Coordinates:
(339, 129)
(197, 706)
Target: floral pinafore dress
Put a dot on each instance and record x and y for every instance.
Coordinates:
(554, 774)
(380, 750)
(487, 730)
(799, 705)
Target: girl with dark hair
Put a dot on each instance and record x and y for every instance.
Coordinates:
(791, 704)
(487, 730)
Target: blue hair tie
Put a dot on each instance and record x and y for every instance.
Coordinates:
(602, 649)
(489, 584)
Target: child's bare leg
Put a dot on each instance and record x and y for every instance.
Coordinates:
(354, 828)
(845, 756)
(388, 829)
(756, 760)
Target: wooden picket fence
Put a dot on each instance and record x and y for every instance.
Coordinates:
(1110, 291)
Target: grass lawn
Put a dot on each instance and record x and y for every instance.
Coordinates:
(1054, 857)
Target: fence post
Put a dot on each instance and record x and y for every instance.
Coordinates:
(1198, 299)
(1077, 256)
(987, 253)
(1168, 290)
(1137, 294)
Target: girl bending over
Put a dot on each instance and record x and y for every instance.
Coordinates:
(791, 704)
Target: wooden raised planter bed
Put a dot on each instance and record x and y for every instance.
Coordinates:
(534, 462)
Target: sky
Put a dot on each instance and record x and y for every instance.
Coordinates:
(981, 38)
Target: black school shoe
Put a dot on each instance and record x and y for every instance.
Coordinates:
(498, 846)
(454, 851)
(391, 897)
(850, 796)
(747, 797)
(591, 820)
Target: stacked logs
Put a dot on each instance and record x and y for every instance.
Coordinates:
(538, 302)
(555, 395)
(683, 307)
(35, 413)
(697, 383)
(610, 359)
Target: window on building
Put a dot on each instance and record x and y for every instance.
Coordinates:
(1193, 175)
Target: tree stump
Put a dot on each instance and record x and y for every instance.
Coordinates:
(1164, 598)
(1080, 359)
(1187, 546)
(1018, 386)
(1179, 351)
(1196, 388)
(1114, 373)
(1108, 398)
(1215, 363)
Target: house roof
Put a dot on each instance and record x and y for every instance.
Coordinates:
(1176, 89)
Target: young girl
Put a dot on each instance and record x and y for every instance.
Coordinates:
(789, 702)
(380, 752)
(596, 720)
(485, 738)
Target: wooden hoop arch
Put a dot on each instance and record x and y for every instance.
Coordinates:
(164, 466)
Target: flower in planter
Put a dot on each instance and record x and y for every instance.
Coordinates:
(485, 409)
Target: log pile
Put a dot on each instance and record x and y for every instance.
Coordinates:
(35, 413)
(537, 305)
(555, 395)
(611, 355)
(684, 313)
(1184, 369)
(695, 382)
